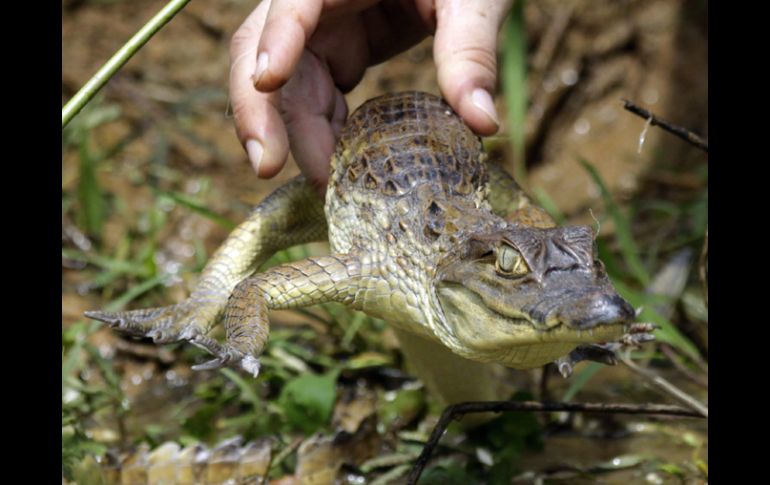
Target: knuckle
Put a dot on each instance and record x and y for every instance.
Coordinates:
(243, 38)
(299, 17)
(240, 111)
(484, 59)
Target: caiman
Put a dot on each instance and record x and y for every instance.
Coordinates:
(425, 234)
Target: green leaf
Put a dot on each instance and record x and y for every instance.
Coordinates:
(403, 407)
(308, 400)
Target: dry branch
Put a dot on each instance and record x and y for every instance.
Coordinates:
(460, 409)
(682, 133)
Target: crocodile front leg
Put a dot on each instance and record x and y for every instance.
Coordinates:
(290, 215)
(637, 334)
(292, 285)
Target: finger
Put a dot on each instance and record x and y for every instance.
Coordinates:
(340, 114)
(288, 27)
(256, 115)
(314, 111)
(465, 51)
(314, 159)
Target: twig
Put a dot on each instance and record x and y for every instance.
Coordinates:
(125, 53)
(673, 357)
(275, 461)
(269, 465)
(682, 133)
(460, 409)
(666, 386)
(545, 395)
(703, 267)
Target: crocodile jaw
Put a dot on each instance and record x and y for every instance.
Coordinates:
(480, 333)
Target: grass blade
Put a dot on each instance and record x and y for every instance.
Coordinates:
(92, 210)
(581, 379)
(668, 332)
(622, 228)
(514, 82)
(197, 206)
(546, 202)
(134, 292)
(247, 391)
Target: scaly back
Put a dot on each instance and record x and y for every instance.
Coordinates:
(395, 142)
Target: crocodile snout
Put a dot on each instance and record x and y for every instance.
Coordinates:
(594, 310)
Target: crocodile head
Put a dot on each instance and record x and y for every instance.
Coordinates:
(525, 296)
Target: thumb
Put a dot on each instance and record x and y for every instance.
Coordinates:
(465, 51)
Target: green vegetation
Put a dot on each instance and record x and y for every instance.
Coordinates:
(513, 74)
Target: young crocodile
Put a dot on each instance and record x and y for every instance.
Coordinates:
(418, 238)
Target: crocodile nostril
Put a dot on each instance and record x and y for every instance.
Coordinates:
(607, 309)
(597, 310)
(624, 309)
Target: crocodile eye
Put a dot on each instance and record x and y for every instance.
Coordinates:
(510, 262)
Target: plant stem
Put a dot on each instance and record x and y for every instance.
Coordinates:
(97, 82)
(667, 387)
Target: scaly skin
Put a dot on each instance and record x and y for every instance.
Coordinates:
(418, 238)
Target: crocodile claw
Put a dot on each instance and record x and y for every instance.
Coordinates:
(248, 363)
(176, 323)
(225, 356)
(593, 352)
(110, 319)
(636, 335)
(565, 368)
(212, 364)
(136, 322)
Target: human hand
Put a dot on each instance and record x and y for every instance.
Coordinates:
(292, 60)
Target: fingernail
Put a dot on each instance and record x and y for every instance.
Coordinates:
(254, 150)
(262, 62)
(483, 101)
